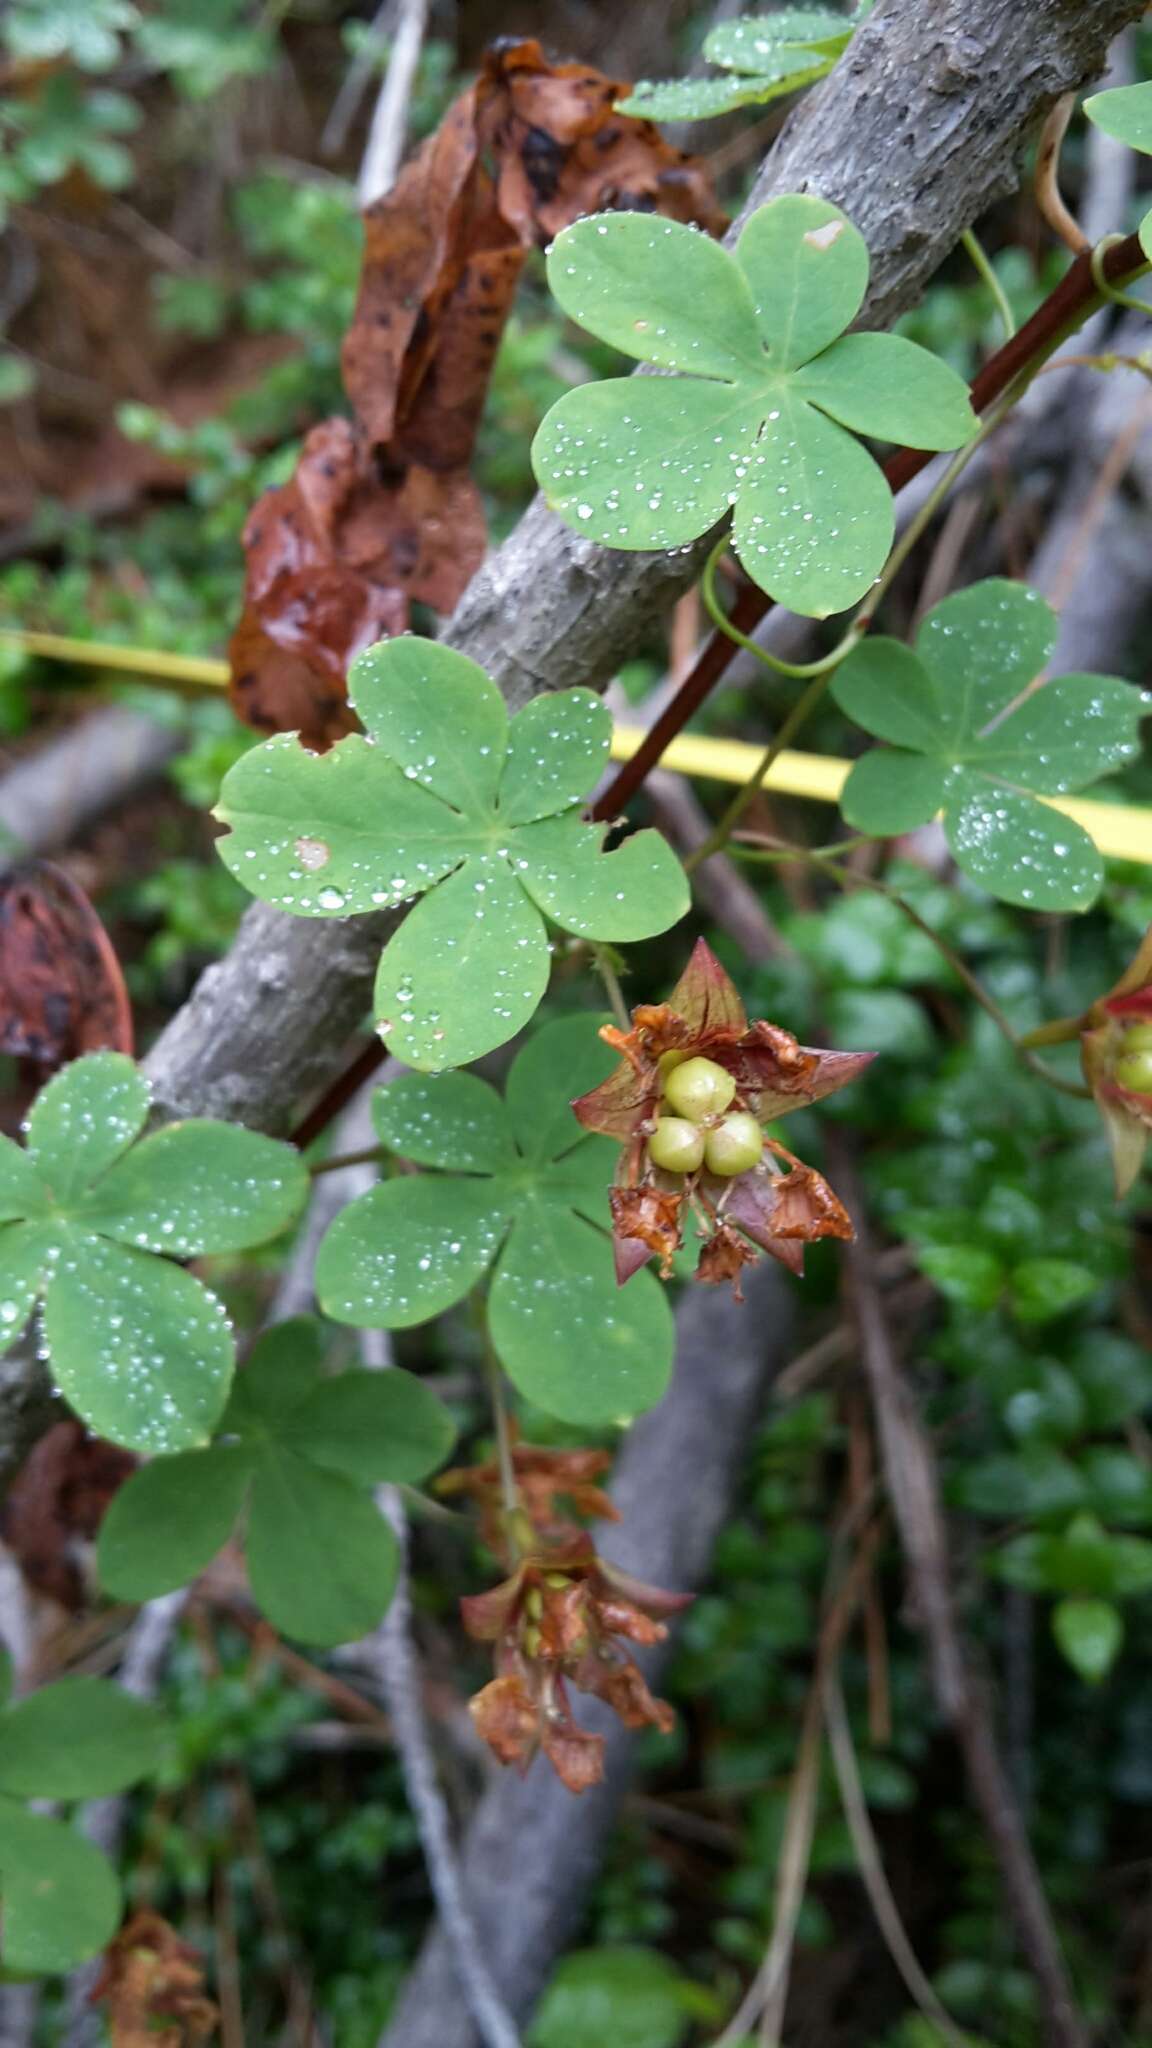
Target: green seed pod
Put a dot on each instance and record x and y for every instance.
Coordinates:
(1137, 1038)
(734, 1146)
(1133, 1070)
(676, 1145)
(699, 1089)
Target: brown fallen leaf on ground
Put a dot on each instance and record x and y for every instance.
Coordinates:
(382, 511)
(153, 1986)
(61, 989)
(57, 1501)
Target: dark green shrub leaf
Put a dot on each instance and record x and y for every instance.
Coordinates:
(753, 425)
(80, 1738)
(372, 1426)
(970, 737)
(966, 1273)
(1089, 1632)
(59, 1897)
(169, 1520)
(1042, 1288)
(410, 1248)
(448, 800)
(322, 1561)
(632, 1997)
(141, 1350)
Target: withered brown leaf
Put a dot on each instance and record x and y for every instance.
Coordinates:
(152, 1983)
(61, 989)
(382, 510)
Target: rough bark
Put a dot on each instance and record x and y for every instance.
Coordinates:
(533, 1849)
(51, 797)
(916, 132)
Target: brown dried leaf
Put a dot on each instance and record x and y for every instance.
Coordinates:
(61, 989)
(59, 1496)
(153, 1986)
(382, 511)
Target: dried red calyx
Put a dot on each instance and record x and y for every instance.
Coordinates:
(689, 1103)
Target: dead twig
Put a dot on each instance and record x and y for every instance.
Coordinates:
(914, 1491)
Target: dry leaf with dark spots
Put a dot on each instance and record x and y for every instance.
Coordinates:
(382, 511)
(61, 989)
(57, 1502)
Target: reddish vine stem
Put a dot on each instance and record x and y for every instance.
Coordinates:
(1062, 311)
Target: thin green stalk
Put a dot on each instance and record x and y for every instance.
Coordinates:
(367, 1156)
(800, 671)
(1112, 292)
(721, 834)
(848, 878)
(509, 1491)
(983, 263)
(608, 975)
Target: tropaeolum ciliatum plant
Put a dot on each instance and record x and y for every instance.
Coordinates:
(977, 734)
(519, 1191)
(765, 57)
(689, 1102)
(82, 1738)
(300, 1450)
(445, 798)
(763, 416)
(92, 1220)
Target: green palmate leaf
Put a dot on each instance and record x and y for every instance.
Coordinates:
(976, 735)
(198, 1186)
(702, 99)
(81, 1738)
(138, 1347)
(1126, 113)
(322, 1561)
(59, 1898)
(752, 43)
(1090, 1633)
(412, 1247)
(448, 800)
(372, 1426)
(84, 32)
(85, 1117)
(169, 1520)
(283, 1366)
(760, 421)
(142, 1350)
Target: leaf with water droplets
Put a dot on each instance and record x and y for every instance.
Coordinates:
(141, 1350)
(567, 1336)
(437, 715)
(980, 736)
(637, 889)
(814, 521)
(22, 1192)
(169, 1520)
(81, 1738)
(322, 1561)
(755, 41)
(455, 1121)
(198, 1186)
(702, 99)
(753, 424)
(409, 1249)
(60, 1897)
(557, 747)
(884, 386)
(465, 971)
(372, 1426)
(86, 1116)
(412, 1247)
(565, 1059)
(25, 1253)
(436, 803)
